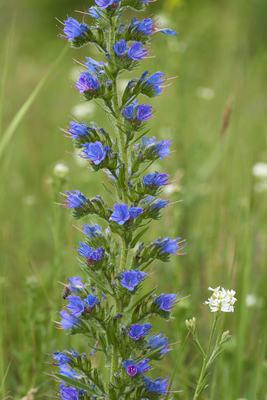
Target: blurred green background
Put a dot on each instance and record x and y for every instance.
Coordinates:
(220, 58)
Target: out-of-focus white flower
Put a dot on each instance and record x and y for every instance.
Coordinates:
(82, 162)
(163, 20)
(260, 187)
(61, 170)
(251, 300)
(221, 300)
(29, 200)
(260, 170)
(83, 110)
(172, 188)
(205, 93)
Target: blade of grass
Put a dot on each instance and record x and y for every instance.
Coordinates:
(7, 135)
(5, 71)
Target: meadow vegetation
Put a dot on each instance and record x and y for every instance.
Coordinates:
(219, 57)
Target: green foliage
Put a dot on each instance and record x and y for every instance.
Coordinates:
(222, 216)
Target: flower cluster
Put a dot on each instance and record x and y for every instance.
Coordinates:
(105, 309)
(221, 300)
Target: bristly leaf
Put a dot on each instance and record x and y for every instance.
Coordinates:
(145, 296)
(137, 237)
(79, 385)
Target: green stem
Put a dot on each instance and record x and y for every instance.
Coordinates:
(124, 159)
(117, 113)
(206, 358)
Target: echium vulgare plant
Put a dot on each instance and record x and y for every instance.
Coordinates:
(105, 306)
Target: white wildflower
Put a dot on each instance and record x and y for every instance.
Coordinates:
(205, 93)
(61, 170)
(261, 187)
(251, 300)
(221, 300)
(83, 110)
(260, 170)
(82, 162)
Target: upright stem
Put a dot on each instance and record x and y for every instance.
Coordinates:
(118, 118)
(124, 158)
(206, 358)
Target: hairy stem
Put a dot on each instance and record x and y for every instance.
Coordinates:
(117, 112)
(124, 158)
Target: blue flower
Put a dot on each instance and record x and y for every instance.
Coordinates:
(95, 12)
(75, 305)
(136, 51)
(86, 82)
(121, 213)
(157, 341)
(162, 148)
(170, 246)
(66, 371)
(147, 142)
(91, 301)
(73, 29)
(93, 230)
(166, 301)
(144, 112)
(104, 3)
(143, 366)
(156, 179)
(75, 284)
(94, 66)
(154, 82)
(146, 26)
(159, 386)
(88, 252)
(76, 199)
(138, 330)
(68, 321)
(120, 47)
(61, 358)
(132, 369)
(135, 211)
(95, 152)
(129, 280)
(77, 130)
(167, 31)
(156, 203)
(68, 393)
(128, 111)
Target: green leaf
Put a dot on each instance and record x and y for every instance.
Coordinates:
(140, 300)
(151, 353)
(7, 135)
(99, 284)
(79, 385)
(97, 327)
(214, 355)
(5, 70)
(203, 384)
(137, 237)
(109, 192)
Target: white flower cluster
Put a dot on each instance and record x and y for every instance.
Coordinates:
(221, 300)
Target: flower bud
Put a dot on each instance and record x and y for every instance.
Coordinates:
(191, 325)
(225, 337)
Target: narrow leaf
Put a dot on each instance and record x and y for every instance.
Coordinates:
(7, 135)
(99, 284)
(79, 385)
(140, 300)
(137, 237)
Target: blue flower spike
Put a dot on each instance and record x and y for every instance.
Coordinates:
(107, 306)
